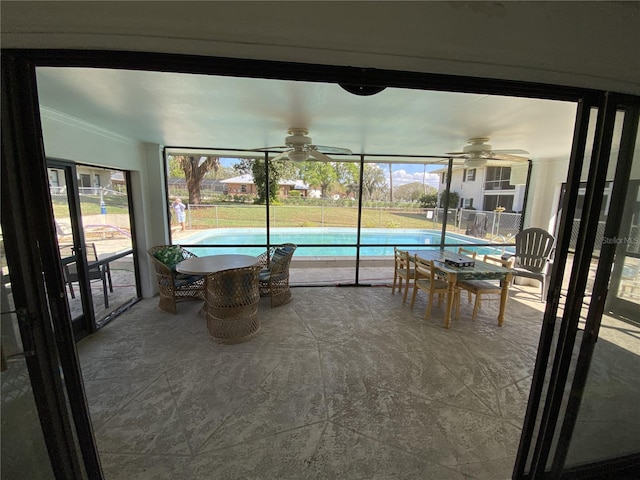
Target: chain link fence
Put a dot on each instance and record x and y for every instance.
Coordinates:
(488, 225)
(493, 226)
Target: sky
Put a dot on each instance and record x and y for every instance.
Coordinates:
(407, 173)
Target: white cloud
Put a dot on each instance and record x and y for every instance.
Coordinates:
(402, 177)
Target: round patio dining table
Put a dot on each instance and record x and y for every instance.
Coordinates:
(215, 263)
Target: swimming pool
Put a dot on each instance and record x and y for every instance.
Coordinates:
(382, 241)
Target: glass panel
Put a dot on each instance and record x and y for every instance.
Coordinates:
(586, 302)
(629, 287)
(626, 271)
(222, 203)
(324, 217)
(566, 275)
(61, 198)
(608, 422)
(23, 451)
(106, 220)
(485, 207)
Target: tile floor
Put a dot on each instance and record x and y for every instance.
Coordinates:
(343, 382)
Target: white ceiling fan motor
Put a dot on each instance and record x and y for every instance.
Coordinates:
(478, 152)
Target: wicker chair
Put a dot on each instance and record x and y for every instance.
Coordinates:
(175, 287)
(232, 304)
(274, 277)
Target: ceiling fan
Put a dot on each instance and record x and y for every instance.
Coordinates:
(299, 148)
(479, 151)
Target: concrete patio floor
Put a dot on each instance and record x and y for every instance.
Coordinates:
(343, 382)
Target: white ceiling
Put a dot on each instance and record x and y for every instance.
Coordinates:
(225, 112)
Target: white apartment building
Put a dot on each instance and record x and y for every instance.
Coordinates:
(486, 188)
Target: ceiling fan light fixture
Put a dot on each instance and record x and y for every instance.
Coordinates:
(298, 156)
(475, 162)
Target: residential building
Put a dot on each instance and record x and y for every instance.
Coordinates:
(244, 185)
(484, 188)
(90, 180)
(207, 185)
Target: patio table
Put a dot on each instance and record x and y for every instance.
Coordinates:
(209, 264)
(215, 263)
(480, 271)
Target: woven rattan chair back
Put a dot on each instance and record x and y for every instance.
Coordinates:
(274, 277)
(232, 304)
(173, 286)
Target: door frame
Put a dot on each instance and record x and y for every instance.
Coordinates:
(283, 70)
(85, 324)
(37, 283)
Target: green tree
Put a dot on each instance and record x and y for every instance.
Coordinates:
(412, 192)
(221, 173)
(454, 199)
(278, 170)
(373, 181)
(320, 174)
(194, 168)
(429, 200)
(347, 173)
(174, 170)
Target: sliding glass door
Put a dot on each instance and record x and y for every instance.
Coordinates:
(93, 227)
(582, 418)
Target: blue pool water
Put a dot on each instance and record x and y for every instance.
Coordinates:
(329, 238)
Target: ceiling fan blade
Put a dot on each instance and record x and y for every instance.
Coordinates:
(280, 156)
(515, 151)
(320, 156)
(508, 158)
(279, 147)
(327, 149)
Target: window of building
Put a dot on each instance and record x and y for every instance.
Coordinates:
(469, 174)
(96, 180)
(498, 179)
(491, 202)
(54, 179)
(243, 188)
(85, 180)
(467, 203)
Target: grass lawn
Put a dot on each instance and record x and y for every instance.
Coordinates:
(90, 204)
(304, 216)
(252, 216)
